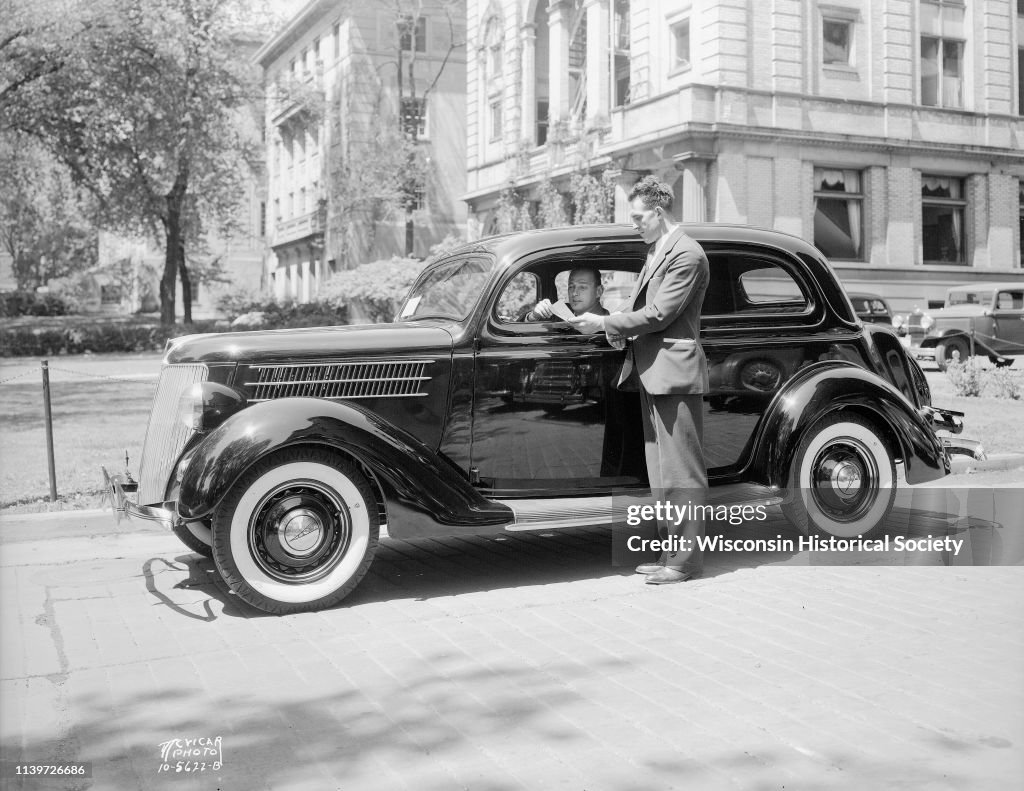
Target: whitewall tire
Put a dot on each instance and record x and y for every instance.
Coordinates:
(296, 532)
(842, 478)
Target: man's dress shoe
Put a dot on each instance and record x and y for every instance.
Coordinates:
(667, 575)
(649, 568)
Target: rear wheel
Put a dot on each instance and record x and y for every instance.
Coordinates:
(297, 532)
(948, 350)
(842, 478)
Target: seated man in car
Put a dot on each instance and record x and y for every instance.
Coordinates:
(585, 292)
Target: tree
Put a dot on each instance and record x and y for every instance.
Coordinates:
(146, 105)
(388, 160)
(45, 224)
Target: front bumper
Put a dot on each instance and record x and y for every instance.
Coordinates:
(118, 488)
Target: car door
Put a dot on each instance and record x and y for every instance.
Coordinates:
(548, 419)
(762, 321)
(1008, 320)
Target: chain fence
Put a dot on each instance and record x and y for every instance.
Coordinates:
(17, 411)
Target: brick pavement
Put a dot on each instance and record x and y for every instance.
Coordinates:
(522, 662)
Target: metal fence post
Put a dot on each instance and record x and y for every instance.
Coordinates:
(48, 420)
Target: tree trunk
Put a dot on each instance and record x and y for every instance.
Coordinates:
(175, 244)
(186, 287)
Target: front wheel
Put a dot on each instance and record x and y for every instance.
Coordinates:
(842, 478)
(297, 532)
(948, 350)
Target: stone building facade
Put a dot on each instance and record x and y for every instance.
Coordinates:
(331, 81)
(889, 132)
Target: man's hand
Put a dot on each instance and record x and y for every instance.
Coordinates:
(617, 343)
(542, 310)
(588, 323)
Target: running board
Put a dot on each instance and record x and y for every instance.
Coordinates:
(558, 513)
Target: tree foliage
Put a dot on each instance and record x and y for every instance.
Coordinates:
(44, 222)
(146, 104)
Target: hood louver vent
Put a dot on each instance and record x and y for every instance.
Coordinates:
(338, 380)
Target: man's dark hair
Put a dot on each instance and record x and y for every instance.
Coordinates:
(653, 192)
(592, 269)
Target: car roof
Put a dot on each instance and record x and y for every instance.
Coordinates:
(986, 286)
(864, 295)
(508, 247)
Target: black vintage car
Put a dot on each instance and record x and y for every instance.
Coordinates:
(283, 453)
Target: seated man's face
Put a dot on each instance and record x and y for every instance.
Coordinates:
(584, 293)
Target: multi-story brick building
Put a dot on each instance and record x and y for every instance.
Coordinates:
(888, 131)
(336, 75)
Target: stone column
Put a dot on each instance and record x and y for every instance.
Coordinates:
(624, 181)
(559, 20)
(694, 169)
(528, 110)
(598, 66)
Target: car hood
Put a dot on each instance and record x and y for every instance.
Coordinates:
(320, 343)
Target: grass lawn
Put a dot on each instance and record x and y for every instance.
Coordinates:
(96, 418)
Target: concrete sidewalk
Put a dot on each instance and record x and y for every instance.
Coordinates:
(522, 662)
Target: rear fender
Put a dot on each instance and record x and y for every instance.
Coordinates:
(410, 472)
(824, 388)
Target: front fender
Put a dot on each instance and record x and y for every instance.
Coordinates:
(826, 387)
(413, 473)
(979, 346)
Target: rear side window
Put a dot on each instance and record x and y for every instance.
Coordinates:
(750, 285)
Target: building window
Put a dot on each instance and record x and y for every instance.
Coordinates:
(836, 37)
(542, 123)
(194, 289)
(838, 213)
(942, 53)
(416, 200)
(414, 118)
(496, 120)
(413, 32)
(263, 220)
(942, 76)
(620, 59)
(681, 44)
(942, 219)
(1020, 209)
(336, 35)
(1020, 80)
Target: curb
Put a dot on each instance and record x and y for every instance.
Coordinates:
(997, 461)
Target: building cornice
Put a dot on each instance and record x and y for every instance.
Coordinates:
(304, 21)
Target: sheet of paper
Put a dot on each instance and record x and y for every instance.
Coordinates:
(410, 307)
(562, 310)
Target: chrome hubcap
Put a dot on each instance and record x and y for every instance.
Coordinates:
(299, 531)
(844, 480)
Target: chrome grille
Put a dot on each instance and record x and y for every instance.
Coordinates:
(166, 435)
(382, 379)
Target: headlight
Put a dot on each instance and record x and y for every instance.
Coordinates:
(205, 405)
(927, 322)
(898, 321)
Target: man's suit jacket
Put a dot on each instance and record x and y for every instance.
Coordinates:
(665, 320)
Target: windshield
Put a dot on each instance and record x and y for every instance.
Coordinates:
(968, 298)
(448, 291)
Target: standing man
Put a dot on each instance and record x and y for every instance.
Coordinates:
(664, 326)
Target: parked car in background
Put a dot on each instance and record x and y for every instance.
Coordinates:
(871, 308)
(984, 319)
(281, 454)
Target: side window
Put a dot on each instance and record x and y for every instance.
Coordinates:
(519, 296)
(770, 286)
(747, 285)
(1010, 300)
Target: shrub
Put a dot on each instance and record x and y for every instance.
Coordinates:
(965, 376)
(376, 288)
(29, 303)
(1002, 383)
